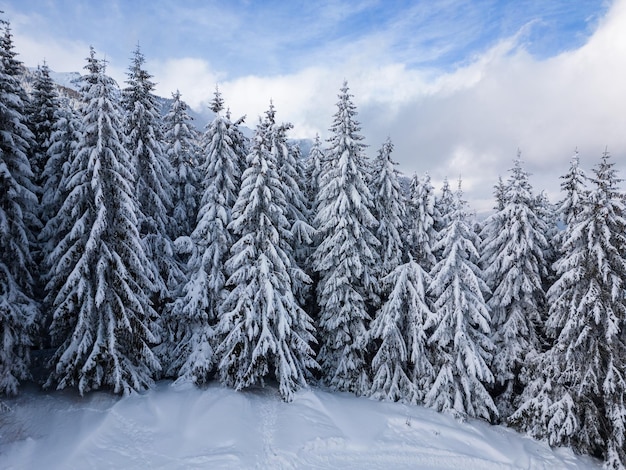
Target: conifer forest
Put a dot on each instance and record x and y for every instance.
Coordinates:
(136, 248)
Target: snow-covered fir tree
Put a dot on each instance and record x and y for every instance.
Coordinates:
(241, 143)
(513, 250)
(577, 396)
(13, 69)
(389, 209)
(43, 112)
(499, 193)
(19, 313)
(401, 368)
(303, 230)
(181, 148)
(66, 135)
(102, 322)
(298, 215)
(152, 170)
(266, 333)
(420, 234)
(460, 330)
(64, 139)
(548, 214)
(314, 168)
(346, 256)
(444, 206)
(189, 351)
(574, 185)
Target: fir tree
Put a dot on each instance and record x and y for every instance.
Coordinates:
(102, 320)
(19, 313)
(574, 186)
(499, 192)
(66, 135)
(346, 256)
(190, 351)
(402, 367)
(297, 210)
(302, 228)
(444, 206)
(24, 142)
(182, 151)
(577, 396)
(42, 112)
(314, 170)
(315, 165)
(513, 253)
(548, 214)
(44, 107)
(64, 139)
(266, 333)
(420, 234)
(389, 209)
(241, 143)
(459, 329)
(152, 170)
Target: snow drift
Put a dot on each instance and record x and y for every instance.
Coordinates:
(185, 427)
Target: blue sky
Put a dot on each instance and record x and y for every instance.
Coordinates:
(244, 37)
(458, 85)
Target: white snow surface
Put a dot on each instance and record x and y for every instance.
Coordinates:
(182, 427)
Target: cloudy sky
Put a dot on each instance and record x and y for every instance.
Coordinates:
(458, 85)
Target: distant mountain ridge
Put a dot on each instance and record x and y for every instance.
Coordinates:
(68, 85)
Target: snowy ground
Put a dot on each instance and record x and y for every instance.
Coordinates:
(186, 428)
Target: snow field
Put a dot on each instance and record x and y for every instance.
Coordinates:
(217, 428)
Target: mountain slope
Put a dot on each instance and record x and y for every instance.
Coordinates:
(183, 427)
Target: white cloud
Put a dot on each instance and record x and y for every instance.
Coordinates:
(468, 121)
(61, 55)
(545, 108)
(192, 76)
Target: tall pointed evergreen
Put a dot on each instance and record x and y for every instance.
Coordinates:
(389, 209)
(13, 70)
(548, 214)
(152, 171)
(266, 333)
(289, 169)
(459, 330)
(577, 396)
(513, 250)
(102, 322)
(43, 112)
(302, 227)
(402, 365)
(315, 166)
(444, 206)
(66, 135)
(19, 313)
(420, 234)
(190, 350)
(314, 169)
(181, 148)
(574, 185)
(346, 256)
(499, 193)
(64, 139)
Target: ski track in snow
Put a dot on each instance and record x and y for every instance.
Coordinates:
(217, 428)
(268, 403)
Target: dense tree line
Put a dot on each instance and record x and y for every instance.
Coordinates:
(136, 248)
